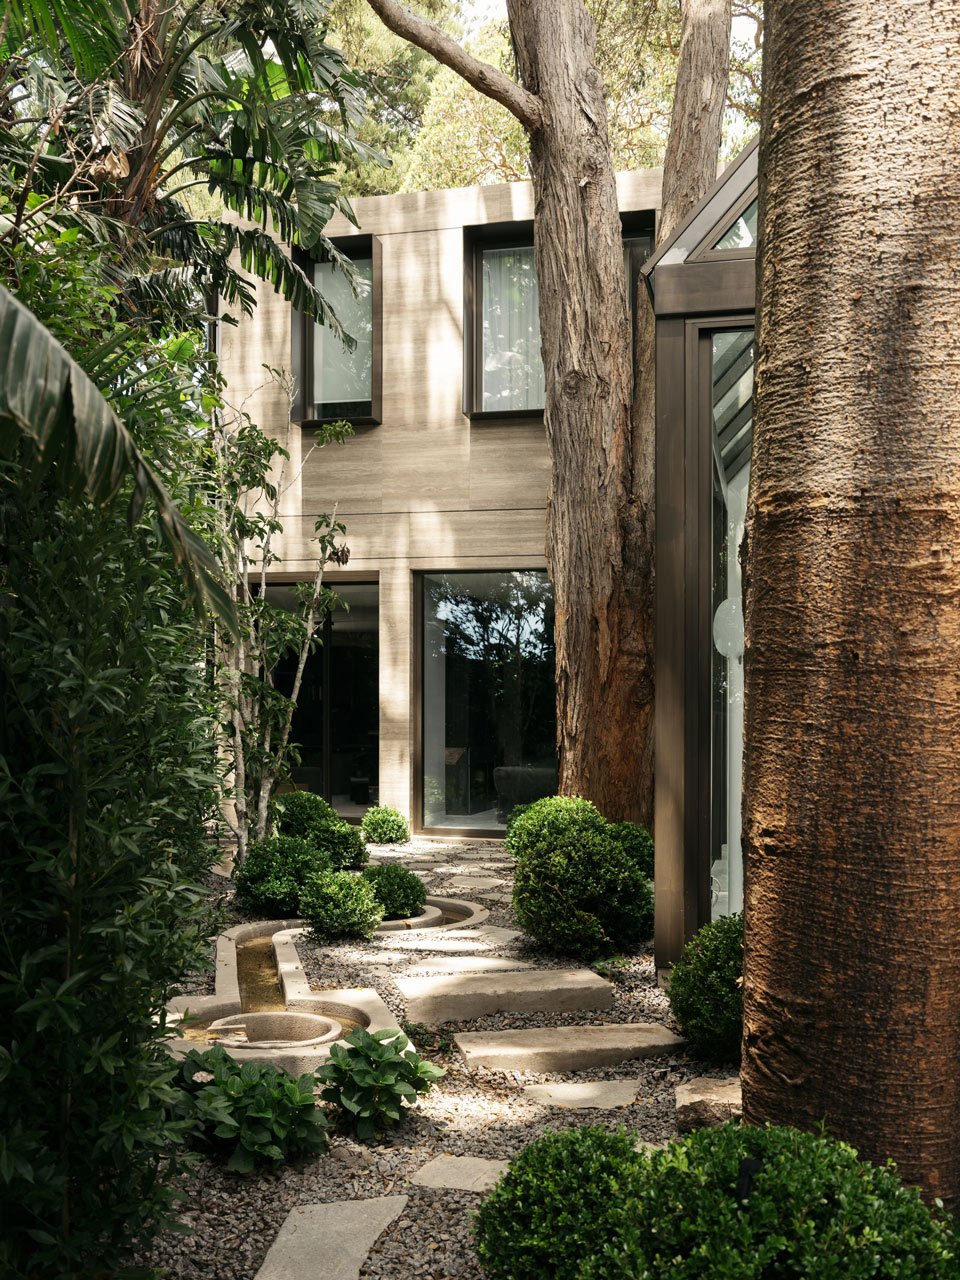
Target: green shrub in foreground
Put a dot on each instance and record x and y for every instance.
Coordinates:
(705, 989)
(339, 905)
(374, 1079)
(343, 844)
(251, 1113)
(274, 872)
(582, 1205)
(399, 891)
(383, 825)
(637, 844)
(576, 890)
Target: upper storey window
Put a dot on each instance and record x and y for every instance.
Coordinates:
(334, 381)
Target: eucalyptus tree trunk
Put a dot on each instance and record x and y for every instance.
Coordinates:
(852, 788)
(599, 423)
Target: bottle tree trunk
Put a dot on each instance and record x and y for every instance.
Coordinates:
(852, 789)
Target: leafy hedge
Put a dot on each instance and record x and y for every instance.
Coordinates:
(339, 905)
(705, 989)
(274, 872)
(383, 825)
(401, 893)
(734, 1203)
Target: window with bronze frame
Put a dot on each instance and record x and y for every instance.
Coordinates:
(333, 382)
(503, 366)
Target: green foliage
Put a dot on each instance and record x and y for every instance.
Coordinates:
(637, 844)
(516, 813)
(375, 1078)
(301, 813)
(107, 778)
(337, 904)
(559, 1205)
(274, 872)
(383, 825)
(705, 989)
(251, 1113)
(344, 845)
(400, 892)
(584, 1205)
(576, 890)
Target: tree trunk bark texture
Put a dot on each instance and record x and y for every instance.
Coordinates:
(594, 539)
(852, 787)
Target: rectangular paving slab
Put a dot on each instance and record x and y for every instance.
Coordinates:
(473, 995)
(462, 964)
(460, 1173)
(565, 1048)
(329, 1240)
(601, 1095)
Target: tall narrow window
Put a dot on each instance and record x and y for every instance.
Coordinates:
(511, 368)
(732, 353)
(343, 379)
(489, 711)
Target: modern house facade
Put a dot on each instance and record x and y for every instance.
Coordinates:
(434, 690)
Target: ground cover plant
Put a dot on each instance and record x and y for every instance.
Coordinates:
(577, 889)
(706, 989)
(251, 1113)
(373, 1080)
(734, 1203)
(383, 825)
(400, 892)
(274, 872)
(336, 904)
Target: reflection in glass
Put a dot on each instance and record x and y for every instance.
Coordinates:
(342, 379)
(732, 355)
(511, 364)
(743, 233)
(337, 720)
(489, 700)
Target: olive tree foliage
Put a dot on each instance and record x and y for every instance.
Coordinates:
(251, 471)
(598, 416)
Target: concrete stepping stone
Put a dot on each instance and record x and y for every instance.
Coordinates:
(565, 1048)
(462, 964)
(460, 1173)
(472, 882)
(705, 1102)
(462, 996)
(330, 1240)
(602, 1095)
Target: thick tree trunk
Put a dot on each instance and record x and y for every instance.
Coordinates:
(852, 791)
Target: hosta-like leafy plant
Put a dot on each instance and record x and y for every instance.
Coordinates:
(254, 1112)
(375, 1078)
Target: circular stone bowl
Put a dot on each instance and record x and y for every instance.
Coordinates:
(295, 1042)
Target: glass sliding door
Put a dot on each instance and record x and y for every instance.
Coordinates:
(337, 721)
(731, 380)
(489, 701)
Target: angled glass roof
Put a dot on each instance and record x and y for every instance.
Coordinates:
(732, 399)
(741, 234)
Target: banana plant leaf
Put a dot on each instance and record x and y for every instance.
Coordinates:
(47, 398)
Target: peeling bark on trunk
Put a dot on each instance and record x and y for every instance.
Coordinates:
(852, 792)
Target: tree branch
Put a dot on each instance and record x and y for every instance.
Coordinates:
(484, 78)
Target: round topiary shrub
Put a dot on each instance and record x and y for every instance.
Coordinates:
(734, 1203)
(399, 891)
(301, 813)
(271, 876)
(383, 825)
(575, 889)
(343, 844)
(705, 989)
(337, 904)
(514, 816)
(636, 842)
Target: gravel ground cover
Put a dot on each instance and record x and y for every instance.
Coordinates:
(235, 1219)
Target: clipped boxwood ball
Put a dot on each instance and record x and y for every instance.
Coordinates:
(383, 825)
(576, 890)
(636, 842)
(705, 989)
(338, 904)
(343, 844)
(401, 893)
(559, 1203)
(300, 813)
(803, 1208)
(271, 876)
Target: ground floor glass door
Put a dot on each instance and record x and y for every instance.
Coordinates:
(732, 356)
